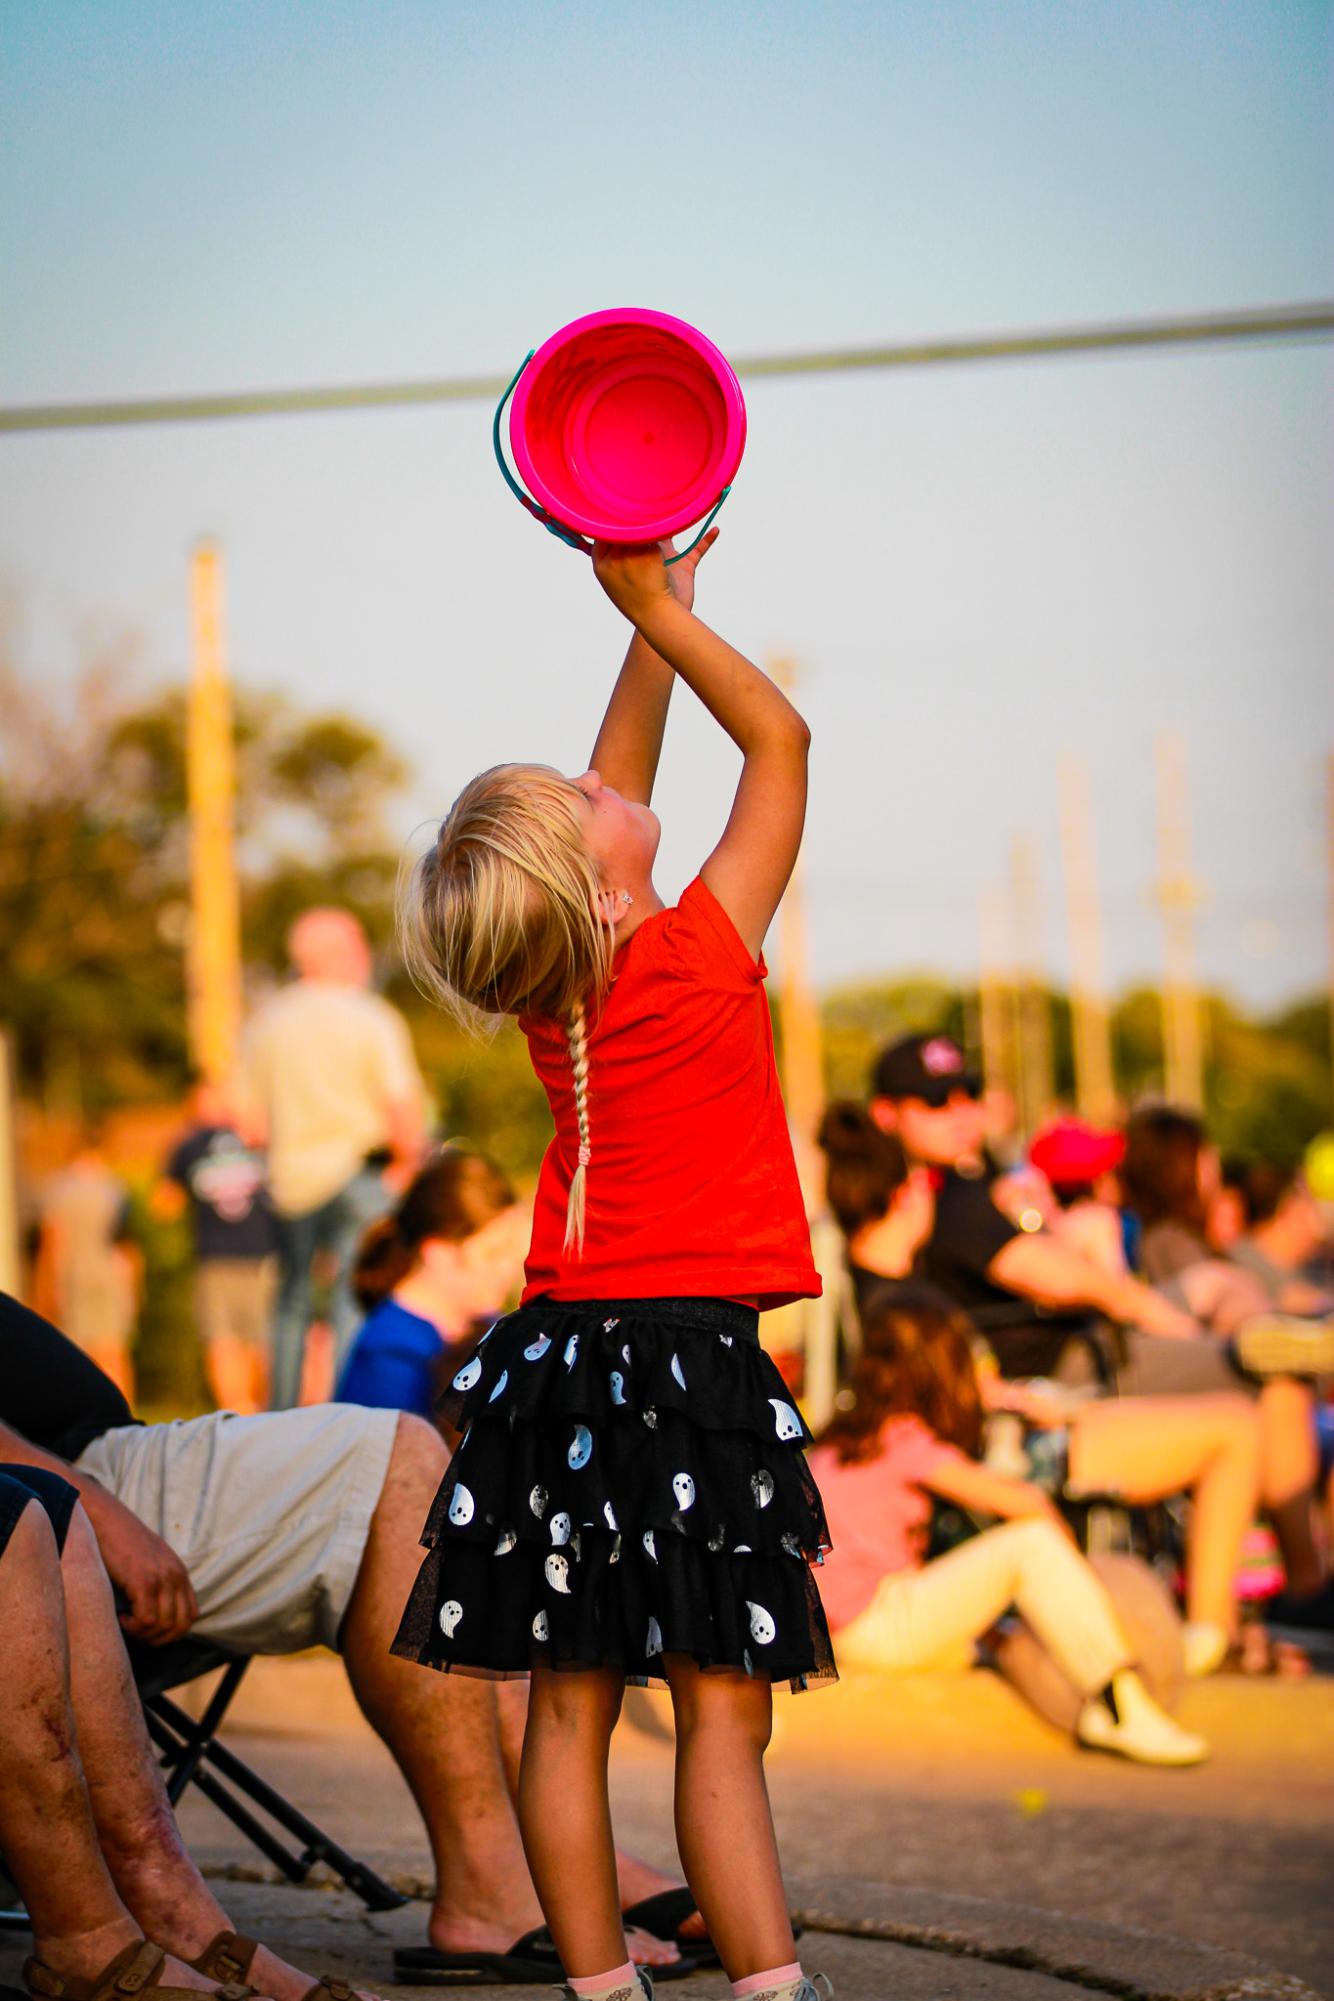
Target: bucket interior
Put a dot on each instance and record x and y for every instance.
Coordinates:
(625, 426)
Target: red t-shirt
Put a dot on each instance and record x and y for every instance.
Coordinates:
(692, 1188)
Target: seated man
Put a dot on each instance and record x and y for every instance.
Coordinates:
(277, 1532)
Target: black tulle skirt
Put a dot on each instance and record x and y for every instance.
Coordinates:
(632, 1482)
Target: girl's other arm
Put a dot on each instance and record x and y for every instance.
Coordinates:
(1039, 1267)
(629, 742)
(749, 869)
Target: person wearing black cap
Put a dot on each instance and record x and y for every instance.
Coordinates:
(1030, 1293)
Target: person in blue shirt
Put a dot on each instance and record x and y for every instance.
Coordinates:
(448, 1256)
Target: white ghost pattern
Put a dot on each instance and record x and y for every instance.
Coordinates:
(786, 1422)
(571, 1350)
(743, 1549)
(581, 1448)
(617, 1387)
(653, 1643)
(560, 1528)
(762, 1487)
(762, 1627)
(537, 1501)
(469, 1374)
(790, 1544)
(625, 1353)
(615, 1556)
(541, 1627)
(506, 1542)
(537, 1349)
(678, 1371)
(650, 1417)
(726, 1340)
(450, 1614)
(501, 1381)
(461, 1509)
(684, 1489)
(650, 1547)
(558, 1573)
(609, 1515)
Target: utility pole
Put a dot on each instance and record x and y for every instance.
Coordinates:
(213, 959)
(1036, 1086)
(1095, 1089)
(1329, 884)
(804, 1095)
(997, 997)
(1178, 900)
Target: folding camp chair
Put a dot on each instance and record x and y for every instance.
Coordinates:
(191, 1755)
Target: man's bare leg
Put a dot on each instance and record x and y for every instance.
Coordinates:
(148, 1861)
(454, 1737)
(47, 1834)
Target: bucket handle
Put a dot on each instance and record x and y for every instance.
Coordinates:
(549, 521)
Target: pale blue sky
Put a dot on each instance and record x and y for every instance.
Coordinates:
(978, 568)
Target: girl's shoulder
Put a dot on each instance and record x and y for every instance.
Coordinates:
(704, 941)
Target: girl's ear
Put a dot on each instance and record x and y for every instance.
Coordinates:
(608, 907)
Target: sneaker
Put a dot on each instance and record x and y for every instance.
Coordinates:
(1137, 1728)
(805, 1990)
(1279, 1344)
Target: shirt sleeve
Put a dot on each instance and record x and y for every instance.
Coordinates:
(918, 1453)
(707, 944)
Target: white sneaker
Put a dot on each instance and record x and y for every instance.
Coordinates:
(798, 1990)
(1139, 1729)
(642, 1991)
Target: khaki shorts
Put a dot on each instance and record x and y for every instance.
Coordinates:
(269, 1514)
(234, 1299)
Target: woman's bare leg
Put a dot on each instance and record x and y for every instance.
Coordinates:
(724, 1829)
(565, 1815)
(1289, 1471)
(1144, 1448)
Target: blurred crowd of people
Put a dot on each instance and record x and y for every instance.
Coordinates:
(1114, 1324)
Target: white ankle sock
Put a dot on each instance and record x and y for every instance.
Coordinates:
(621, 1984)
(780, 1983)
(1203, 1646)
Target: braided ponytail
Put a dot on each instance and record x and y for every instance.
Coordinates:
(576, 1028)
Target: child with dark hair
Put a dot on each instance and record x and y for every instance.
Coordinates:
(446, 1257)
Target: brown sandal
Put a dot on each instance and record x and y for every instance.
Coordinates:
(227, 1959)
(134, 1970)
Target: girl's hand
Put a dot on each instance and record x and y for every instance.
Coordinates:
(635, 579)
(681, 575)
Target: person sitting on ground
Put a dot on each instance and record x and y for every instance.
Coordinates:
(278, 1532)
(1170, 1174)
(1032, 1295)
(112, 1913)
(447, 1256)
(1139, 1450)
(913, 1431)
(1078, 1161)
(220, 1179)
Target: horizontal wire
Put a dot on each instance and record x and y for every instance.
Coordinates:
(1292, 322)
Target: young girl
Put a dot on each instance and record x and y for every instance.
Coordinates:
(445, 1257)
(631, 1499)
(1140, 1449)
(913, 1431)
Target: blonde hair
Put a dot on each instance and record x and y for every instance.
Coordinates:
(500, 917)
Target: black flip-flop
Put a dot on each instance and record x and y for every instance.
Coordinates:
(532, 1957)
(664, 1915)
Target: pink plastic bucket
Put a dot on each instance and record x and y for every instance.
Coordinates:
(627, 426)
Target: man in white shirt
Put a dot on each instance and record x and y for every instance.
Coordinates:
(335, 1095)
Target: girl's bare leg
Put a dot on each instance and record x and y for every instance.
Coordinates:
(724, 1829)
(565, 1815)
(1147, 1447)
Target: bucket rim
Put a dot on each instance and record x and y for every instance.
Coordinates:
(734, 440)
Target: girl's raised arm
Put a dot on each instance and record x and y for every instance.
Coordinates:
(629, 742)
(749, 869)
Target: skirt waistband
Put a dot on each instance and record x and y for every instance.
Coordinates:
(714, 1316)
